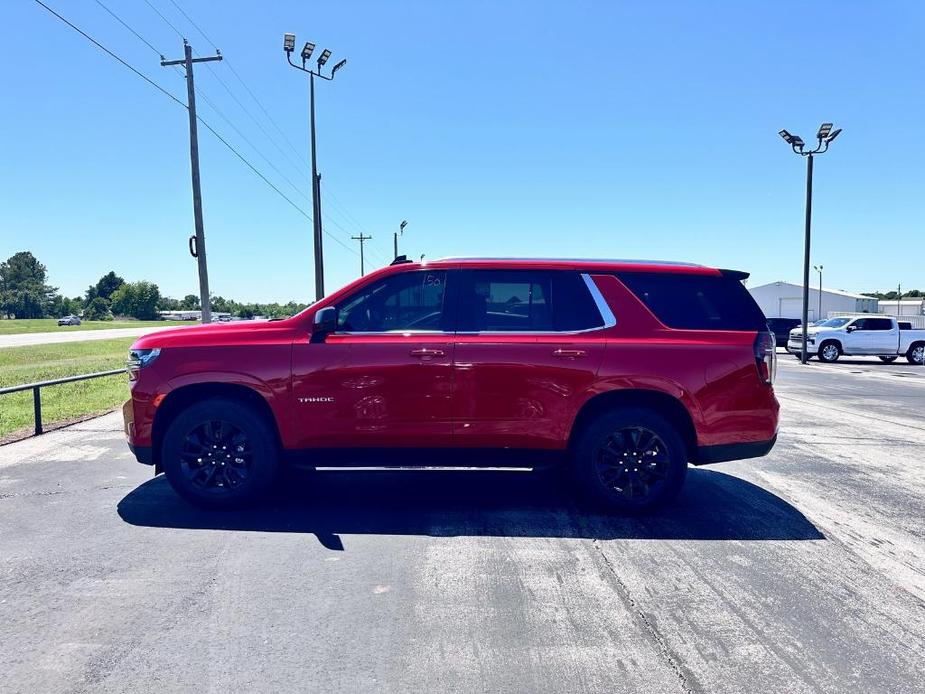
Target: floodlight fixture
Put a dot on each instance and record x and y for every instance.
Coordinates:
(338, 66)
(832, 136)
(323, 58)
(307, 51)
(289, 43)
(824, 131)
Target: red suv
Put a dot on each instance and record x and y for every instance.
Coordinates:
(625, 371)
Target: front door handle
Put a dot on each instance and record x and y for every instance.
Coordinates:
(569, 353)
(425, 353)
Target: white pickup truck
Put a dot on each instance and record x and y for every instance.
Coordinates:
(859, 335)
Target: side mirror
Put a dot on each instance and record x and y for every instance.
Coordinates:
(850, 329)
(325, 323)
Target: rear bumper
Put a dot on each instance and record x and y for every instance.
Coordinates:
(733, 451)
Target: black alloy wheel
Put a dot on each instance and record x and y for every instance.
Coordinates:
(220, 453)
(216, 457)
(633, 462)
(630, 460)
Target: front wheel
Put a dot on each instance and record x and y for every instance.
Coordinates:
(630, 460)
(916, 353)
(829, 352)
(220, 453)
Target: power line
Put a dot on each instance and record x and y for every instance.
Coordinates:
(349, 219)
(204, 97)
(199, 118)
(123, 23)
(195, 26)
(111, 54)
(240, 79)
(166, 21)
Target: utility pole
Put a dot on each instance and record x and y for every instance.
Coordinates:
(824, 137)
(361, 239)
(899, 298)
(401, 230)
(289, 47)
(197, 243)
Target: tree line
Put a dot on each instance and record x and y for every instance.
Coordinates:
(26, 293)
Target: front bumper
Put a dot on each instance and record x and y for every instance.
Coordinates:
(143, 454)
(734, 451)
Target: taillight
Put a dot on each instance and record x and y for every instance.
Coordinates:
(766, 357)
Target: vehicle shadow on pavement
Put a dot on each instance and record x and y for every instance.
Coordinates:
(712, 506)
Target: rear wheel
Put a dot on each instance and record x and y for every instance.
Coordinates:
(916, 353)
(220, 453)
(888, 360)
(630, 460)
(829, 352)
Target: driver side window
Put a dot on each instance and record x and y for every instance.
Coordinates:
(408, 301)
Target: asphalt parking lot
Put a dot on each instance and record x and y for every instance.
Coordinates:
(800, 572)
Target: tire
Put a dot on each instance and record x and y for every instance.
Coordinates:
(220, 453)
(916, 353)
(829, 352)
(888, 360)
(612, 448)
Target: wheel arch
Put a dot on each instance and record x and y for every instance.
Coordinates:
(670, 407)
(180, 398)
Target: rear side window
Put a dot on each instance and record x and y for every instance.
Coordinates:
(696, 302)
(874, 324)
(526, 301)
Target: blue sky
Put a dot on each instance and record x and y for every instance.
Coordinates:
(590, 129)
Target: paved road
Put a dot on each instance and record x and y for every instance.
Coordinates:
(24, 339)
(800, 572)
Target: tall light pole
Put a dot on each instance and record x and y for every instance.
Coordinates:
(824, 137)
(289, 47)
(818, 268)
(401, 230)
(197, 242)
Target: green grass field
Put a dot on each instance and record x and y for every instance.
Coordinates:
(67, 401)
(50, 325)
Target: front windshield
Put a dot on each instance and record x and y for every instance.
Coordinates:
(835, 322)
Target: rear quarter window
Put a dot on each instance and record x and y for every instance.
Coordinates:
(696, 302)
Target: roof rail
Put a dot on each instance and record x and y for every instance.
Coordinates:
(401, 260)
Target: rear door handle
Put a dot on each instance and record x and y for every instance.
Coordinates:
(425, 353)
(569, 353)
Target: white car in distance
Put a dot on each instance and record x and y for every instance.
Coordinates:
(879, 336)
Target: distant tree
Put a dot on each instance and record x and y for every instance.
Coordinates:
(107, 284)
(137, 299)
(222, 305)
(98, 309)
(71, 306)
(168, 304)
(190, 302)
(23, 290)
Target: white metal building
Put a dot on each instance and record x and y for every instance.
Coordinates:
(905, 307)
(785, 300)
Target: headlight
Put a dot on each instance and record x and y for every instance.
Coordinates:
(140, 358)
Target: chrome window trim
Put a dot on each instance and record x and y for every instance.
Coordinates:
(395, 332)
(609, 319)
